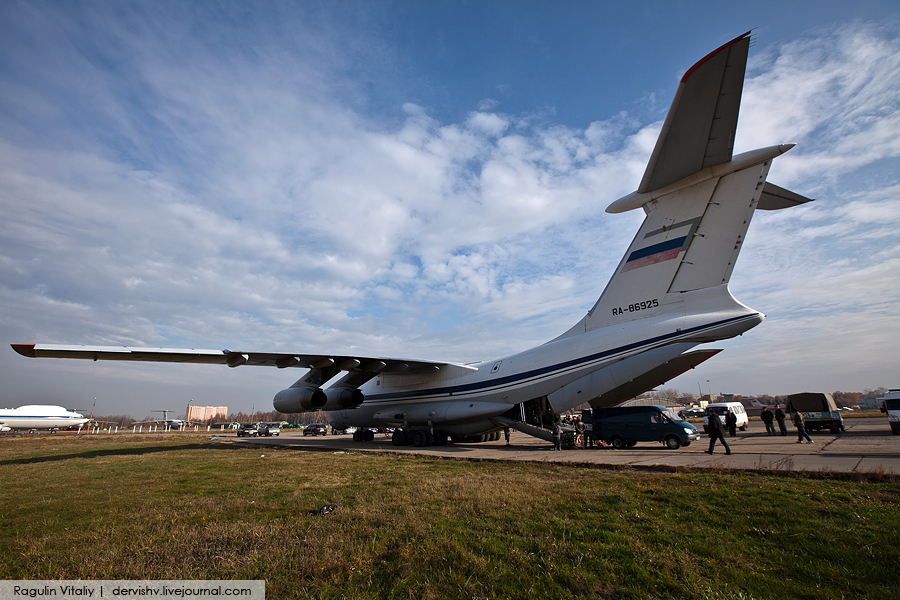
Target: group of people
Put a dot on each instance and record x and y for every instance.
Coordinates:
(716, 429)
(769, 418)
(713, 425)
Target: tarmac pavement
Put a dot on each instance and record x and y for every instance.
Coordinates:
(867, 445)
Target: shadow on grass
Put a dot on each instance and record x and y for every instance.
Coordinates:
(113, 452)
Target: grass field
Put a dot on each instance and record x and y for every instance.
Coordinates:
(187, 508)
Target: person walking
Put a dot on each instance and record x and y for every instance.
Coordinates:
(800, 424)
(731, 423)
(716, 431)
(779, 416)
(557, 437)
(767, 417)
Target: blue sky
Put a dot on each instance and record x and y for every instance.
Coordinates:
(417, 179)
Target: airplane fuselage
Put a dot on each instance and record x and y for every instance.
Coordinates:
(597, 360)
(39, 417)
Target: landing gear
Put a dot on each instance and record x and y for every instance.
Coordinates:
(363, 435)
(420, 438)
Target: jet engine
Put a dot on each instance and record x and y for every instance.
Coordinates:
(300, 399)
(341, 398)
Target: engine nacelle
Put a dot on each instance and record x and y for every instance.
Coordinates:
(299, 399)
(343, 398)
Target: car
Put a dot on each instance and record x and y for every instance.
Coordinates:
(316, 429)
(691, 413)
(268, 429)
(247, 430)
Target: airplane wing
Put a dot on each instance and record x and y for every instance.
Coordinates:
(281, 360)
(699, 130)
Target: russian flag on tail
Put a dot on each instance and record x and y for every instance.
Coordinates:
(656, 253)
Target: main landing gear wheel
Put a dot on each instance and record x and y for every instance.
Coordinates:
(422, 438)
(363, 435)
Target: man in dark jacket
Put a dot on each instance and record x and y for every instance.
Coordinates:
(767, 417)
(716, 431)
(731, 423)
(779, 416)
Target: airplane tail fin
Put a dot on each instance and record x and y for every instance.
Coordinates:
(697, 197)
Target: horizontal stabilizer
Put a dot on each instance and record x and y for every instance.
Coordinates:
(651, 379)
(776, 198)
(699, 130)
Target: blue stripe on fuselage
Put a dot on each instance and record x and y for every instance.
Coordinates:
(519, 378)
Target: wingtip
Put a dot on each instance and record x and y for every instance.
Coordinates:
(25, 350)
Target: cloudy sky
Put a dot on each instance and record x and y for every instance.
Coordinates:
(417, 179)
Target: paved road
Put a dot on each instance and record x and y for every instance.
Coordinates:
(866, 446)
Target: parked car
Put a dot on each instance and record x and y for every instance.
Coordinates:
(247, 430)
(268, 429)
(316, 429)
(691, 413)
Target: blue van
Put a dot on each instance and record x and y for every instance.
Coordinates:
(625, 426)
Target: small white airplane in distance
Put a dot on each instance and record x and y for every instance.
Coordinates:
(668, 294)
(39, 416)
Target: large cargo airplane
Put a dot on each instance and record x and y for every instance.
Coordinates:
(668, 294)
(39, 416)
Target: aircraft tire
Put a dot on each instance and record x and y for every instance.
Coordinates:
(398, 438)
(420, 438)
(440, 438)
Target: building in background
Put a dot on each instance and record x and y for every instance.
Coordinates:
(207, 413)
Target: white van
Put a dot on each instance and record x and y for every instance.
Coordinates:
(721, 409)
(891, 407)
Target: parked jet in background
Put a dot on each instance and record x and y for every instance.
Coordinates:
(668, 294)
(39, 416)
(166, 422)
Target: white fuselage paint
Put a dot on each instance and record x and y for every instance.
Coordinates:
(39, 417)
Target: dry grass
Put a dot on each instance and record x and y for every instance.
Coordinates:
(98, 508)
